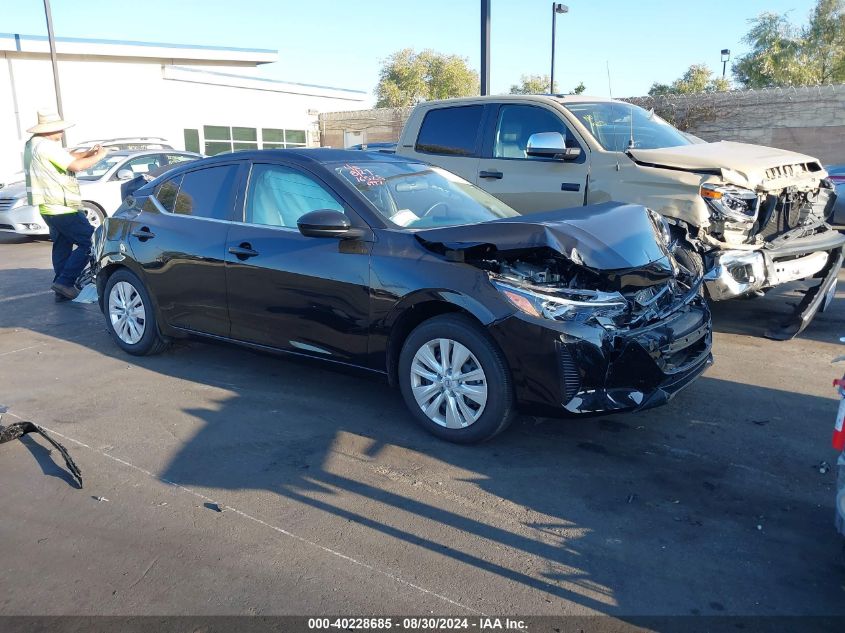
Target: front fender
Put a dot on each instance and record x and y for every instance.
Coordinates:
(484, 314)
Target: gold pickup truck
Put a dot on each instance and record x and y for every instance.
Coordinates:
(751, 217)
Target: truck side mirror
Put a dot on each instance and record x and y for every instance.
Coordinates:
(551, 145)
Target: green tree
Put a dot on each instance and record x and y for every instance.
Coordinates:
(531, 85)
(408, 77)
(539, 84)
(697, 78)
(783, 54)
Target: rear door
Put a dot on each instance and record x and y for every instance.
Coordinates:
(179, 239)
(451, 138)
(301, 294)
(529, 183)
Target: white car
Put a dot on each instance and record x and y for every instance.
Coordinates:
(100, 187)
(126, 142)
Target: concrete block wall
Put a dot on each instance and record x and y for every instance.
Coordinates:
(807, 120)
(377, 125)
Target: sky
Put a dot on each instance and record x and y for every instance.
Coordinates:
(342, 43)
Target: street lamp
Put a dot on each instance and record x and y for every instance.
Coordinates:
(726, 57)
(557, 7)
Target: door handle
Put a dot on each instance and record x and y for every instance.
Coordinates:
(491, 174)
(243, 251)
(144, 233)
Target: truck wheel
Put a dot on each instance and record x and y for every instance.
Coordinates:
(689, 259)
(455, 380)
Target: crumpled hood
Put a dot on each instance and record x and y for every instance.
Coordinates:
(607, 236)
(749, 160)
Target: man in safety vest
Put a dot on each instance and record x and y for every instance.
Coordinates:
(52, 186)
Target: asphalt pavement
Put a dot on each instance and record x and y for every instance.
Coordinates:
(222, 481)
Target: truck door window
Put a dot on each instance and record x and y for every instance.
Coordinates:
(516, 125)
(451, 131)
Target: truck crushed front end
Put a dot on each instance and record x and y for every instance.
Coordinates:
(774, 234)
(761, 221)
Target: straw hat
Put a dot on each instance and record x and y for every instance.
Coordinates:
(49, 121)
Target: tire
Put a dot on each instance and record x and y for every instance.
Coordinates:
(93, 213)
(137, 333)
(489, 407)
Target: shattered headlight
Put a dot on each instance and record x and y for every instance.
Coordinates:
(566, 304)
(661, 225)
(730, 202)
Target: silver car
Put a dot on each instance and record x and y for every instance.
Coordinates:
(100, 186)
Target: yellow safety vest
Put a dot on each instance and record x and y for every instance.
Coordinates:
(53, 189)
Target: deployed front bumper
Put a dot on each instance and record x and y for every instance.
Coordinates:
(562, 368)
(788, 258)
(24, 220)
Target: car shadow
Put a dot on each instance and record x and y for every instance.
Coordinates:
(709, 505)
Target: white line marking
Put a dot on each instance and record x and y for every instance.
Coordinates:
(26, 296)
(261, 522)
(22, 349)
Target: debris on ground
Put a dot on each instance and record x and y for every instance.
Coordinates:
(823, 467)
(100, 499)
(19, 429)
(214, 506)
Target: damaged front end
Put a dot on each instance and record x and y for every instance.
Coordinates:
(605, 318)
(771, 235)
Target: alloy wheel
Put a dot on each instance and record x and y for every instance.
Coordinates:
(93, 217)
(127, 312)
(448, 383)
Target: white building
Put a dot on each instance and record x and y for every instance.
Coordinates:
(201, 98)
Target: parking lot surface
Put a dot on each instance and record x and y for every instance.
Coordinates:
(334, 501)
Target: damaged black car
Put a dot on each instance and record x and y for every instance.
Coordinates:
(408, 271)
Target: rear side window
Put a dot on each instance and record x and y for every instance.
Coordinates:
(167, 191)
(207, 193)
(451, 131)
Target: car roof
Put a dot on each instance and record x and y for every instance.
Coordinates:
(305, 156)
(317, 156)
(562, 99)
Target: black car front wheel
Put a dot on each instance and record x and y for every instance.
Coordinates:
(455, 380)
(130, 317)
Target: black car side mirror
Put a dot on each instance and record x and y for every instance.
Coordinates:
(326, 223)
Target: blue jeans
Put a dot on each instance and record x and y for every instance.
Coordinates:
(68, 230)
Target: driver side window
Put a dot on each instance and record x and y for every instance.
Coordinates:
(516, 125)
(279, 196)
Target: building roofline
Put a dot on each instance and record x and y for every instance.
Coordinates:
(15, 42)
(279, 82)
(202, 76)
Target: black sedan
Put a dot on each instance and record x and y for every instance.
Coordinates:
(404, 269)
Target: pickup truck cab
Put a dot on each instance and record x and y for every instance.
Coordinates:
(752, 217)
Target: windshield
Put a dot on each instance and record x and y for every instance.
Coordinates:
(614, 124)
(97, 170)
(416, 196)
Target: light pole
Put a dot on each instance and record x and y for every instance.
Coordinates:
(557, 7)
(726, 57)
(485, 47)
(52, 41)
